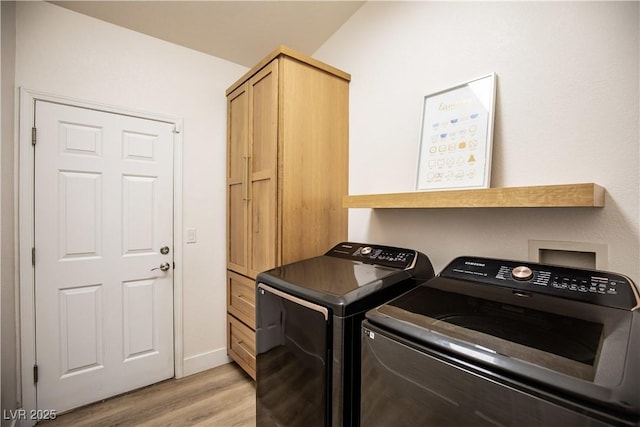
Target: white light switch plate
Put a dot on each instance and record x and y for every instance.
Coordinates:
(191, 235)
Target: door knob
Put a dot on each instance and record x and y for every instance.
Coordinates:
(164, 267)
(164, 250)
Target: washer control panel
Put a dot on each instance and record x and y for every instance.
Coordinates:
(375, 254)
(591, 286)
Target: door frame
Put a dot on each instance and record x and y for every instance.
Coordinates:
(26, 235)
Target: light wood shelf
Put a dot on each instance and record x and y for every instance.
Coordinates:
(542, 196)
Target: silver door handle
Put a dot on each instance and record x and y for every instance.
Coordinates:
(320, 309)
(164, 267)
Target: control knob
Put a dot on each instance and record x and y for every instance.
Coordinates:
(366, 250)
(522, 273)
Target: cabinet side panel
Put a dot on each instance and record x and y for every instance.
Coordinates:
(315, 119)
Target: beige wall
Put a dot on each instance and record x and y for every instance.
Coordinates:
(64, 53)
(567, 112)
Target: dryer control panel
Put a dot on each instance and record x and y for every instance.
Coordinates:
(591, 286)
(388, 256)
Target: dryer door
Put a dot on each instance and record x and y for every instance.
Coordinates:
(293, 363)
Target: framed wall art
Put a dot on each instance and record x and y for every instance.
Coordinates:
(456, 137)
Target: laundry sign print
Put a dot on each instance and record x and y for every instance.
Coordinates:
(457, 136)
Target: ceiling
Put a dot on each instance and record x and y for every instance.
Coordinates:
(238, 31)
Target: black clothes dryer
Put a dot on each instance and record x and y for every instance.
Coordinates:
(308, 323)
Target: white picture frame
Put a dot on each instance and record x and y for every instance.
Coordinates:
(456, 136)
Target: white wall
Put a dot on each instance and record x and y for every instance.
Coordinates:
(567, 112)
(8, 356)
(65, 53)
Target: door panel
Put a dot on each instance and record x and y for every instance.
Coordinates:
(81, 329)
(140, 312)
(237, 170)
(263, 226)
(79, 208)
(139, 211)
(263, 252)
(103, 209)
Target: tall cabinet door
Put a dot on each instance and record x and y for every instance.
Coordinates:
(237, 177)
(263, 167)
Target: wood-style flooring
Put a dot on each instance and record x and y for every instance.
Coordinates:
(220, 397)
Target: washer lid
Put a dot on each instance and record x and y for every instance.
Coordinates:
(334, 282)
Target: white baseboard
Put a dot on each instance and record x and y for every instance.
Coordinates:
(203, 361)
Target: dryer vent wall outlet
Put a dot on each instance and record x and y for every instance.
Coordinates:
(572, 254)
(569, 258)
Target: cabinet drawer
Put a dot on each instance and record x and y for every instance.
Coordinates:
(241, 298)
(242, 345)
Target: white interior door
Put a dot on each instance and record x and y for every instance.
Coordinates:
(103, 212)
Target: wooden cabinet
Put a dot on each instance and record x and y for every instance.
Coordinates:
(252, 167)
(287, 172)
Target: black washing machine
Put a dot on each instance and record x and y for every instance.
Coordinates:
(505, 343)
(308, 323)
